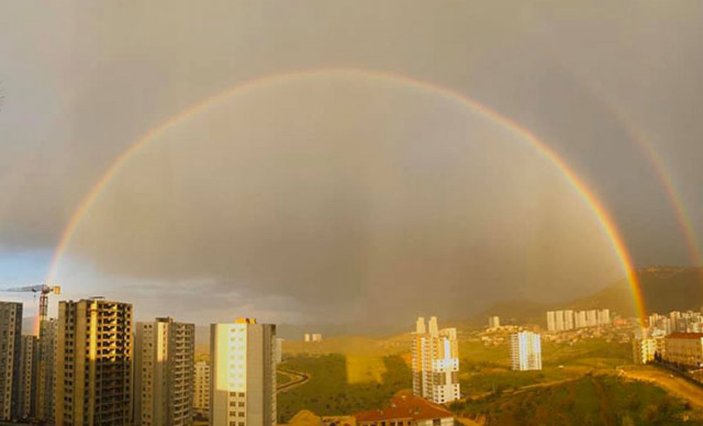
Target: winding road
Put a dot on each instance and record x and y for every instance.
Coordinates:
(297, 379)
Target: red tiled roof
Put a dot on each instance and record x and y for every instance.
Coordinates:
(685, 336)
(405, 407)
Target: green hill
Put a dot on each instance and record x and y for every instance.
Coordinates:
(591, 400)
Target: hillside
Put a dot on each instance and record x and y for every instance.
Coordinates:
(664, 289)
(590, 400)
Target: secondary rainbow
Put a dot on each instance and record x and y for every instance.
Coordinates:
(586, 194)
(639, 138)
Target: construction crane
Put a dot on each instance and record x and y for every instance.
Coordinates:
(44, 292)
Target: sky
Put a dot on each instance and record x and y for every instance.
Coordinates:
(347, 195)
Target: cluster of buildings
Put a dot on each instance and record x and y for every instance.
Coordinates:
(675, 321)
(93, 365)
(567, 319)
(676, 338)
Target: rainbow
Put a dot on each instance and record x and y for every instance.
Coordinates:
(642, 142)
(582, 189)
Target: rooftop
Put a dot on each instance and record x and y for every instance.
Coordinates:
(405, 407)
(685, 336)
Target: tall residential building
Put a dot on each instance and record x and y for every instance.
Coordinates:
(493, 321)
(201, 388)
(243, 382)
(526, 351)
(559, 320)
(580, 319)
(94, 363)
(10, 360)
(551, 321)
(435, 362)
(591, 318)
(164, 353)
(568, 319)
(603, 317)
(643, 349)
(28, 377)
(46, 360)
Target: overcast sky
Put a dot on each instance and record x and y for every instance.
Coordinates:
(338, 197)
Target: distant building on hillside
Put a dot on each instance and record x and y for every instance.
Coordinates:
(567, 319)
(526, 351)
(312, 337)
(493, 321)
(435, 362)
(684, 349)
(407, 410)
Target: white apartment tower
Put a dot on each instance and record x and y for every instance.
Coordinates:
(435, 362)
(201, 388)
(164, 353)
(243, 379)
(493, 321)
(526, 351)
(10, 360)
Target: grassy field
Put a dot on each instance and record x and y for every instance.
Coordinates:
(333, 390)
(487, 368)
(590, 400)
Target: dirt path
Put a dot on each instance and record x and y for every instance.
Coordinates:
(671, 383)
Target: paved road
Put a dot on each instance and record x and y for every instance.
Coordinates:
(297, 379)
(672, 383)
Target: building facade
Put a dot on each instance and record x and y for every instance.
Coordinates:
(494, 321)
(28, 377)
(643, 350)
(94, 363)
(164, 353)
(46, 360)
(10, 359)
(685, 349)
(243, 380)
(201, 388)
(435, 362)
(526, 351)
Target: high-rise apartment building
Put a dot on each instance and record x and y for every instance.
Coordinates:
(435, 362)
(28, 377)
(243, 382)
(46, 360)
(201, 388)
(94, 363)
(526, 351)
(10, 360)
(644, 349)
(163, 381)
(494, 321)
